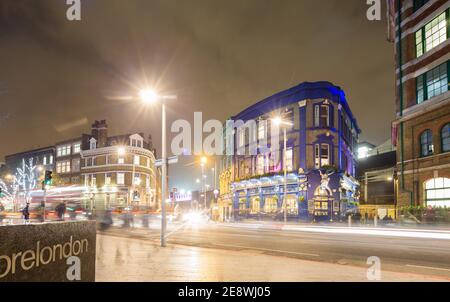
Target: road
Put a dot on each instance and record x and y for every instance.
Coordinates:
(422, 256)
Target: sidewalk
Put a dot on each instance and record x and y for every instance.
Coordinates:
(125, 259)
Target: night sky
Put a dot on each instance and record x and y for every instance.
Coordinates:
(219, 57)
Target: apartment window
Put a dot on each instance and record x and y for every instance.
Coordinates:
(322, 155)
(419, 3)
(51, 160)
(262, 126)
(148, 162)
(136, 160)
(433, 83)
(322, 116)
(93, 180)
(120, 178)
(289, 159)
(432, 34)
(63, 151)
(260, 165)
(317, 156)
(76, 148)
(120, 160)
(445, 138)
(89, 162)
(63, 167)
(426, 143)
(44, 161)
(108, 177)
(136, 143)
(147, 181)
(76, 165)
(93, 144)
(137, 179)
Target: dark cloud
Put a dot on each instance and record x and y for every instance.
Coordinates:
(218, 56)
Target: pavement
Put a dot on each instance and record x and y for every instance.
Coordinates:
(138, 260)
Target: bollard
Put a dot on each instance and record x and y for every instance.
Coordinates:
(349, 221)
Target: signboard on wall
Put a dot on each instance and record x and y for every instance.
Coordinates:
(50, 252)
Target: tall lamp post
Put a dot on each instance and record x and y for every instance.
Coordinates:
(280, 122)
(203, 162)
(149, 96)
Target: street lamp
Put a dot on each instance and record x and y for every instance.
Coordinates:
(278, 121)
(149, 96)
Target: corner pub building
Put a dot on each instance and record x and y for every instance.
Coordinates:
(320, 159)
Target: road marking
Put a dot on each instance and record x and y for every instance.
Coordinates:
(429, 267)
(266, 250)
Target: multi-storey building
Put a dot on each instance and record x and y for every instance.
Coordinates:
(43, 158)
(422, 125)
(103, 170)
(320, 157)
(119, 170)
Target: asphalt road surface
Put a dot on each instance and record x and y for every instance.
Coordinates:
(422, 256)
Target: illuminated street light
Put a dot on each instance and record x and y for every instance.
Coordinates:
(278, 121)
(149, 96)
(121, 151)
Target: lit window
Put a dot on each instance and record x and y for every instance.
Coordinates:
(76, 148)
(63, 151)
(136, 160)
(271, 205)
(289, 159)
(322, 116)
(63, 167)
(108, 179)
(51, 159)
(120, 178)
(324, 155)
(255, 206)
(433, 83)
(445, 137)
(262, 130)
(426, 143)
(93, 180)
(120, 160)
(260, 165)
(431, 35)
(437, 192)
(137, 179)
(321, 155)
(44, 161)
(317, 156)
(292, 205)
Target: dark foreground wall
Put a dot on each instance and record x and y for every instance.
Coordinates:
(51, 252)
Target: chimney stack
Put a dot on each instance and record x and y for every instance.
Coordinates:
(100, 133)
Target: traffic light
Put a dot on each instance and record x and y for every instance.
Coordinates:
(1, 192)
(48, 178)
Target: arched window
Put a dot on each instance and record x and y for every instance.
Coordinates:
(426, 143)
(437, 192)
(445, 138)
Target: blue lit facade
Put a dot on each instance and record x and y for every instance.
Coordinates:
(320, 156)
